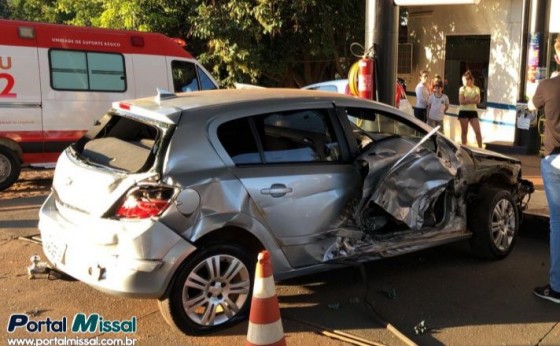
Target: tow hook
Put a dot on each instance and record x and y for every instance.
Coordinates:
(36, 267)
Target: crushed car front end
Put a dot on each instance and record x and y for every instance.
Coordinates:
(486, 168)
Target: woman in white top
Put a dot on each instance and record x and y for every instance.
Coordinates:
(422, 94)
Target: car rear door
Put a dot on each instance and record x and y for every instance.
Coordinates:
(297, 171)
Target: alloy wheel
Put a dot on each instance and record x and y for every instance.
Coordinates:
(216, 289)
(503, 224)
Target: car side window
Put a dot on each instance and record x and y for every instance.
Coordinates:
(87, 71)
(238, 140)
(297, 136)
(283, 137)
(184, 76)
(205, 81)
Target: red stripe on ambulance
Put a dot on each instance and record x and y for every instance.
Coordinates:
(87, 38)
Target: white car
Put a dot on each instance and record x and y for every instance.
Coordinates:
(340, 86)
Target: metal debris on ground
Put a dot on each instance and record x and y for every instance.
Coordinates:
(420, 328)
(35, 239)
(33, 313)
(54, 274)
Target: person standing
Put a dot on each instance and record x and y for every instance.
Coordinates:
(400, 92)
(469, 97)
(422, 93)
(547, 96)
(438, 103)
(437, 78)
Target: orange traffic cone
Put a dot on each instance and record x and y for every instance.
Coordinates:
(265, 325)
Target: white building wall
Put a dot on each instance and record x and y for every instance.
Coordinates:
(428, 28)
(554, 13)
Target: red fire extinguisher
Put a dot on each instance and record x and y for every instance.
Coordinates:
(365, 78)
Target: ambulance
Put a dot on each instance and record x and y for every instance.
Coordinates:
(57, 80)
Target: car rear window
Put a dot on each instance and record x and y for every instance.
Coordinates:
(120, 143)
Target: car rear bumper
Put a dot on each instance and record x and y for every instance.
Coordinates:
(135, 258)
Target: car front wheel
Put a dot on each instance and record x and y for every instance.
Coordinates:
(211, 291)
(494, 222)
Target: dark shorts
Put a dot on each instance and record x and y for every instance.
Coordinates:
(468, 114)
(421, 113)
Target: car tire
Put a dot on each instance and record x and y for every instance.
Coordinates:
(211, 290)
(494, 221)
(10, 167)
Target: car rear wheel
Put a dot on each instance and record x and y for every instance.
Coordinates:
(9, 167)
(211, 291)
(494, 222)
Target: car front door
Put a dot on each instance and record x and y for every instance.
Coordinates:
(408, 166)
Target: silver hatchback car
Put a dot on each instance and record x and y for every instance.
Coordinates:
(172, 197)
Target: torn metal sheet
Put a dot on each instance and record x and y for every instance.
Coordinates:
(405, 186)
(407, 191)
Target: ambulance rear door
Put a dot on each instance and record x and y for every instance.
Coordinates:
(20, 90)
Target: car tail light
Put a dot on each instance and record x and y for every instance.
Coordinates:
(145, 201)
(124, 105)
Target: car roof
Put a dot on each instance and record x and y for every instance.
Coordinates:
(167, 107)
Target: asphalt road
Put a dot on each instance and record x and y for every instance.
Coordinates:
(459, 299)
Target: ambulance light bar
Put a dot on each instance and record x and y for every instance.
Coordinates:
(180, 41)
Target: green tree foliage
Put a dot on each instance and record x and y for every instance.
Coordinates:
(279, 42)
(34, 10)
(4, 9)
(84, 13)
(288, 43)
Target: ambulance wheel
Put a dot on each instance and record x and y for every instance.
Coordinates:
(9, 167)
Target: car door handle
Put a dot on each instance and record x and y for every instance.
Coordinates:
(277, 190)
